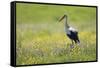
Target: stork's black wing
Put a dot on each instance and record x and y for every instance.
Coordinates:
(74, 36)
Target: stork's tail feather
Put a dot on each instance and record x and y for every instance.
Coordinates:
(77, 41)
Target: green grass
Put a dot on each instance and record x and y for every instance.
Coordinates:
(41, 38)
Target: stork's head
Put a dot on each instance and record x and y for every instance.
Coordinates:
(65, 19)
(64, 16)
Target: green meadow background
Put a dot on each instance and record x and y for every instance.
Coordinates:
(41, 38)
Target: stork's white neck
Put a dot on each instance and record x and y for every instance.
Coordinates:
(65, 22)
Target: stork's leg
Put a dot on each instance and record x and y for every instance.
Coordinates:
(72, 45)
(72, 42)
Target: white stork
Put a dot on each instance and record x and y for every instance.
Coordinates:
(70, 31)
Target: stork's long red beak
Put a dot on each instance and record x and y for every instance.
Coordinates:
(61, 18)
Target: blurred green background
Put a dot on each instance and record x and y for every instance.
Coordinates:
(41, 38)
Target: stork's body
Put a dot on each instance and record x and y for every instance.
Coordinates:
(70, 32)
(73, 35)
